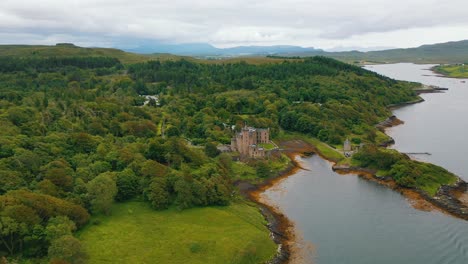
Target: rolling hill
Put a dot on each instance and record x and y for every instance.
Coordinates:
(450, 52)
(69, 50)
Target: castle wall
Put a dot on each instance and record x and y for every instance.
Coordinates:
(263, 135)
(234, 144)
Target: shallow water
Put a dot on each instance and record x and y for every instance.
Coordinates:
(351, 220)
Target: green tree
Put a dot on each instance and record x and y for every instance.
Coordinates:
(128, 185)
(151, 168)
(263, 170)
(48, 187)
(211, 150)
(12, 233)
(10, 180)
(158, 193)
(67, 248)
(59, 226)
(101, 192)
(172, 131)
(184, 194)
(59, 172)
(225, 160)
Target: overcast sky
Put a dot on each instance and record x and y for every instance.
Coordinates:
(311, 23)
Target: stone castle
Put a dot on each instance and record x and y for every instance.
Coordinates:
(247, 142)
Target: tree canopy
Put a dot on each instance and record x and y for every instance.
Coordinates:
(78, 133)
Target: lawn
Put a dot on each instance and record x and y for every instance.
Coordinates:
(324, 149)
(135, 233)
(243, 171)
(267, 146)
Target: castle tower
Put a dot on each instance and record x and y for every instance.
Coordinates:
(347, 146)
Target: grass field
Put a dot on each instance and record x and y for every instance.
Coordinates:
(135, 233)
(455, 71)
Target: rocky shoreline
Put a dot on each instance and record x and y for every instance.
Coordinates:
(280, 227)
(395, 106)
(424, 89)
(430, 89)
(445, 200)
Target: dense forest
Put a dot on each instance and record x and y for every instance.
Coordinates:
(318, 96)
(78, 134)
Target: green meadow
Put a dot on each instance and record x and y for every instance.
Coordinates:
(135, 233)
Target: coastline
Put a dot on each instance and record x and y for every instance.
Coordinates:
(281, 227)
(451, 200)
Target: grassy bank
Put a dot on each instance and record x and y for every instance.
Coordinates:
(322, 148)
(135, 233)
(453, 71)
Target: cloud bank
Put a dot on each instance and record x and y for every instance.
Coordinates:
(318, 23)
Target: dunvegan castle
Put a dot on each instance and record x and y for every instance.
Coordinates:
(247, 142)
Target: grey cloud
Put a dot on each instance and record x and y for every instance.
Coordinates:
(225, 22)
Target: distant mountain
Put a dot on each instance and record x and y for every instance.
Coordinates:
(206, 50)
(266, 50)
(190, 49)
(450, 52)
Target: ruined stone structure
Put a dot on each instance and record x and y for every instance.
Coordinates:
(246, 142)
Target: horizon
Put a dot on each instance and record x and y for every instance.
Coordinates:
(133, 49)
(338, 25)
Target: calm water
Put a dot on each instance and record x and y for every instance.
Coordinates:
(439, 125)
(351, 220)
